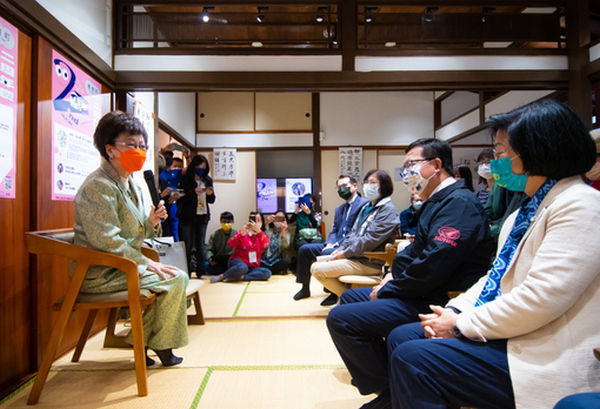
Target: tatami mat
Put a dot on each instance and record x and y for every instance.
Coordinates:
(259, 349)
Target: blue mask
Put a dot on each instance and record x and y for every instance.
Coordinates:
(504, 177)
(200, 172)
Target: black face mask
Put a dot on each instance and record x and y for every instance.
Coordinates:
(344, 192)
(200, 172)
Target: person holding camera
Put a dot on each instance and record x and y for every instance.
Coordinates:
(276, 257)
(247, 244)
(307, 222)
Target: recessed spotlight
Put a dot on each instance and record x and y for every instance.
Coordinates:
(390, 44)
(257, 44)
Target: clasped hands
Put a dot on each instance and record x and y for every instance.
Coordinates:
(438, 324)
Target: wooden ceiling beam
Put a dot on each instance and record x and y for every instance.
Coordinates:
(342, 81)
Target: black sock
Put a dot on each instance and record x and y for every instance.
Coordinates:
(303, 293)
(167, 358)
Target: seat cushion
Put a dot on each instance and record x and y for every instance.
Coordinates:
(358, 279)
(103, 297)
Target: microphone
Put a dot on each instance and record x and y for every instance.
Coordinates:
(149, 176)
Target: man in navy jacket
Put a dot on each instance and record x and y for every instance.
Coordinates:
(452, 248)
(343, 220)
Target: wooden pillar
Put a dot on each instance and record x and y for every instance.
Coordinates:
(349, 34)
(316, 129)
(578, 38)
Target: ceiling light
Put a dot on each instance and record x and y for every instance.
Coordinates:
(319, 19)
(257, 44)
(368, 14)
(205, 16)
(321, 12)
(260, 17)
(390, 44)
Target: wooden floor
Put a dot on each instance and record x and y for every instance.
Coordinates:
(259, 349)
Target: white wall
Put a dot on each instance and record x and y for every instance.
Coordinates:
(375, 118)
(89, 20)
(178, 110)
(458, 103)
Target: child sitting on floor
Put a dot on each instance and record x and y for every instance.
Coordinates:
(218, 251)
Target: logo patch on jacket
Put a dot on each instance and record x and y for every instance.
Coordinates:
(448, 235)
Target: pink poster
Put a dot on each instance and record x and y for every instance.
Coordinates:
(76, 109)
(8, 108)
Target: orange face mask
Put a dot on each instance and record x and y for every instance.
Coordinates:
(132, 160)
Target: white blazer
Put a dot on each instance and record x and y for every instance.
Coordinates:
(549, 309)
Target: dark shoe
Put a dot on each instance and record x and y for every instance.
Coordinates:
(167, 358)
(149, 361)
(302, 294)
(383, 401)
(330, 300)
(326, 290)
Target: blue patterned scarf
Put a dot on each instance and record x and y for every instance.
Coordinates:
(527, 211)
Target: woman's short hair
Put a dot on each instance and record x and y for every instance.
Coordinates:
(114, 124)
(252, 216)
(551, 140)
(386, 186)
(197, 161)
(486, 153)
(434, 148)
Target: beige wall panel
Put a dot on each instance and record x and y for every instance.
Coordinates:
(276, 111)
(388, 160)
(237, 196)
(162, 139)
(329, 175)
(225, 111)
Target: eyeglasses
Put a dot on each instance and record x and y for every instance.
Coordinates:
(132, 145)
(412, 163)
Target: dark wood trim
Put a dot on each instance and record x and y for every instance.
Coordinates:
(254, 131)
(592, 70)
(227, 51)
(457, 117)
(366, 147)
(473, 145)
(342, 81)
(217, 2)
(445, 95)
(173, 133)
(528, 3)
(31, 13)
(424, 52)
(466, 133)
(257, 148)
(481, 108)
(316, 148)
(349, 34)
(578, 38)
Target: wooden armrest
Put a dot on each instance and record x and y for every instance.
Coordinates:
(150, 253)
(597, 353)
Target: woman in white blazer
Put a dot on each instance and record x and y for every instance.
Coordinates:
(523, 335)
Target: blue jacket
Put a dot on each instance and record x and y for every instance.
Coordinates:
(408, 221)
(453, 247)
(337, 233)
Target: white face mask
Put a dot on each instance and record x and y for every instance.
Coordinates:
(371, 191)
(485, 171)
(413, 180)
(417, 205)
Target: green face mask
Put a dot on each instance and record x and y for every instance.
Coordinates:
(344, 192)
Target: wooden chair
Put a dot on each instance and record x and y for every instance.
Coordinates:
(358, 281)
(60, 243)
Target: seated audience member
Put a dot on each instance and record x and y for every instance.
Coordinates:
(593, 175)
(168, 180)
(409, 217)
(452, 248)
(110, 217)
(485, 174)
(276, 257)
(463, 172)
(502, 200)
(218, 252)
(343, 220)
(375, 226)
(522, 336)
(248, 245)
(308, 222)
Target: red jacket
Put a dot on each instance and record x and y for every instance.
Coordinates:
(242, 245)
